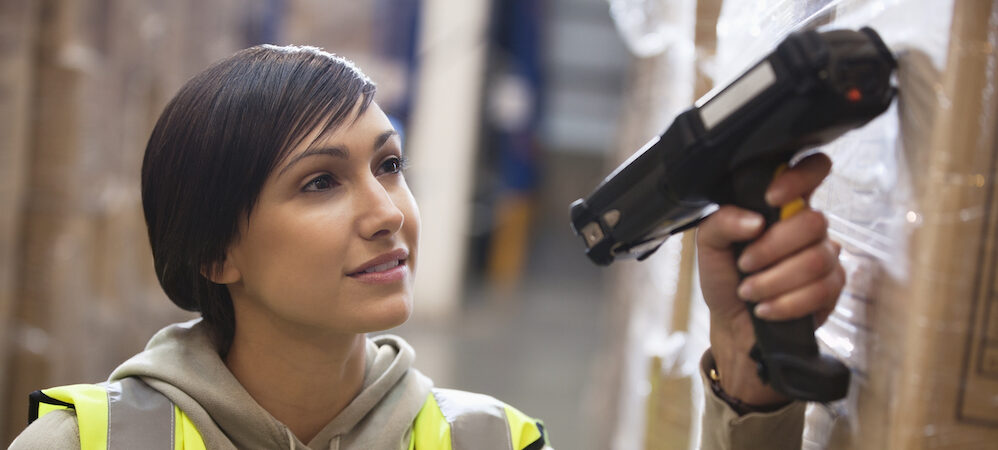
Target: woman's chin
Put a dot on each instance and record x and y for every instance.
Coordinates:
(390, 314)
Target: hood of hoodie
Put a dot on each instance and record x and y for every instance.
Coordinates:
(181, 362)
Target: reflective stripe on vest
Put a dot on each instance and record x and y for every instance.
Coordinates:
(129, 414)
(458, 420)
(124, 414)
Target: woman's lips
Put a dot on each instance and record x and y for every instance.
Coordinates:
(385, 268)
(391, 275)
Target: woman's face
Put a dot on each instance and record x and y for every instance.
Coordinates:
(330, 245)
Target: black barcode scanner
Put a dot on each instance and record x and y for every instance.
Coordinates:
(726, 149)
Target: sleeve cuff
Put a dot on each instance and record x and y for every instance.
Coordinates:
(724, 428)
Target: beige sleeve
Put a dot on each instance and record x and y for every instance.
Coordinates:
(55, 430)
(724, 429)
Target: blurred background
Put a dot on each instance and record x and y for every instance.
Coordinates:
(509, 110)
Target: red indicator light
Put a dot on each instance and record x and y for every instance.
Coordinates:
(854, 95)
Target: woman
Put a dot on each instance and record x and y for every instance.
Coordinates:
(276, 206)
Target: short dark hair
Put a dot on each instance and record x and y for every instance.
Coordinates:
(214, 146)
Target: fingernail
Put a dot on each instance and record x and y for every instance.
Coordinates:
(750, 222)
(745, 291)
(745, 263)
(763, 311)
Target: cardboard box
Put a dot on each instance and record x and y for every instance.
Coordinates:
(83, 296)
(18, 29)
(913, 200)
(661, 330)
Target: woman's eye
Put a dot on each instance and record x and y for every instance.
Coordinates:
(320, 183)
(392, 165)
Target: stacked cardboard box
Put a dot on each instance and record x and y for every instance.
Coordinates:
(912, 199)
(82, 84)
(18, 30)
(652, 395)
(674, 401)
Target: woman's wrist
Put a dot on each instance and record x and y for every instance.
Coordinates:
(736, 373)
(737, 405)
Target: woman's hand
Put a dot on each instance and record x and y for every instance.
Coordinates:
(795, 272)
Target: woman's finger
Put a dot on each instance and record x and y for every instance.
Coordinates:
(783, 239)
(728, 225)
(815, 297)
(800, 180)
(798, 270)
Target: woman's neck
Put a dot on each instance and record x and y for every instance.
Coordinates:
(302, 380)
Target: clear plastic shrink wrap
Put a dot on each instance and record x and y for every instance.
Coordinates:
(657, 352)
(666, 331)
(912, 200)
(649, 27)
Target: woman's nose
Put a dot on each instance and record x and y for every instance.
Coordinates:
(379, 215)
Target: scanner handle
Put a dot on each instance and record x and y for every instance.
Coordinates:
(786, 352)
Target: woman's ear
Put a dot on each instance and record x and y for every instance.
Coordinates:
(222, 272)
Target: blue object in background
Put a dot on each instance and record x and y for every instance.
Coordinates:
(513, 100)
(396, 39)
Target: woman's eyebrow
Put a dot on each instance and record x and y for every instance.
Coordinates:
(382, 138)
(336, 152)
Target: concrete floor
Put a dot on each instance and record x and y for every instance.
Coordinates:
(534, 347)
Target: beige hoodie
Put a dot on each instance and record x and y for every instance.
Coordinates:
(181, 362)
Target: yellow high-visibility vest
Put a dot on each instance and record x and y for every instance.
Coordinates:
(128, 414)
(461, 420)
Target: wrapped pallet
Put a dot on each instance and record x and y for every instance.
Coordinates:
(655, 353)
(912, 200)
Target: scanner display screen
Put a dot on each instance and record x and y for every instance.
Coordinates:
(722, 104)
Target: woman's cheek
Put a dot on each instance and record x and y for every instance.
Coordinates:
(411, 227)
